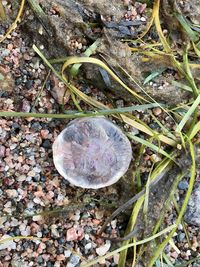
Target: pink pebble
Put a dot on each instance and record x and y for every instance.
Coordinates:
(71, 234)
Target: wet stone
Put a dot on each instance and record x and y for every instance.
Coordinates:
(61, 241)
(183, 185)
(29, 84)
(40, 260)
(36, 126)
(18, 81)
(60, 250)
(47, 144)
(15, 126)
(180, 237)
(43, 178)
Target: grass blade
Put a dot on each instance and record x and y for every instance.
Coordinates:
(98, 62)
(183, 208)
(76, 114)
(195, 130)
(148, 131)
(188, 114)
(182, 86)
(131, 223)
(2, 11)
(150, 145)
(110, 254)
(191, 34)
(13, 25)
(153, 75)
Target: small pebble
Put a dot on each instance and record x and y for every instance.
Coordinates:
(47, 144)
(183, 185)
(67, 253)
(157, 111)
(71, 234)
(88, 246)
(181, 237)
(102, 250)
(2, 151)
(7, 244)
(73, 260)
(11, 193)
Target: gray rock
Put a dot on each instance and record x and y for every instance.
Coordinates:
(183, 185)
(3, 53)
(192, 215)
(180, 237)
(73, 261)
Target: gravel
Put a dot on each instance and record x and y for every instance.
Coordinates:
(35, 200)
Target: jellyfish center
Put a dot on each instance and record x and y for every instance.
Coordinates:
(96, 158)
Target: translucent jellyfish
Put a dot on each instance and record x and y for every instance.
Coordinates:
(92, 153)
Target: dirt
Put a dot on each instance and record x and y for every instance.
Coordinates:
(67, 23)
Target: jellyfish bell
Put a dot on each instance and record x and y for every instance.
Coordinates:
(92, 153)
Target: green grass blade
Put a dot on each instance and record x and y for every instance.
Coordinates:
(75, 60)
(196, 50)
(77, 114)
(182, 86)
(2, 12)
(167, 260)
(132, 221)
(188, 114)
(195, 130)
(153, 75)
(150, 145)
(88, 52)
(191, 34)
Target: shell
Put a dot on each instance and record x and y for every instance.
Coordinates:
(92, 153)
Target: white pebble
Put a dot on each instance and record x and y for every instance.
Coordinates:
(143, 19)
(101, 251)
(11, 193)
(22, 226)
(67, 253)
(7, 244)
(37, 200)
(8, 204)
(88, 246)
(39, 234)
(31, 173)
(116, 258)
(87, 237)
(37, 218)
(14, 222)
(114, 224)
(54, 230)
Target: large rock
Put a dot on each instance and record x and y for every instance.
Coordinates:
(192, 215)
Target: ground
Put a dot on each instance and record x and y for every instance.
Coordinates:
(56, 223)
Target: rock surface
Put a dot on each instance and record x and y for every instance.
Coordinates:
(192, 215)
